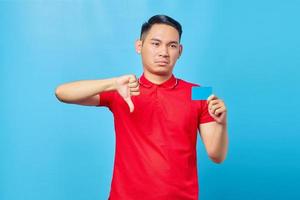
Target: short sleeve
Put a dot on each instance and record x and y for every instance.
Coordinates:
(204, 115)
(106, 98)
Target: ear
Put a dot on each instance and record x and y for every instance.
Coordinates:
(138, 46)
(180, 50)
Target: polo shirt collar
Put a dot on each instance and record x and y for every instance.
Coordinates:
(170, 83)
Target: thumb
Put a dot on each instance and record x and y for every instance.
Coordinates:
(130, 103)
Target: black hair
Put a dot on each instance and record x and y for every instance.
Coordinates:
(160, 19)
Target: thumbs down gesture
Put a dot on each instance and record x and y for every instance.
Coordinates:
(128, 86)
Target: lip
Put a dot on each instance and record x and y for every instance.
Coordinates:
(162, 62)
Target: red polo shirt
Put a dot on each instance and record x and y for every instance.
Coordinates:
(155, 155)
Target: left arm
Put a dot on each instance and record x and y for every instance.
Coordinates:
(214, 134)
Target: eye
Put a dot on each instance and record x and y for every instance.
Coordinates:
(155, 43)
(173, 46)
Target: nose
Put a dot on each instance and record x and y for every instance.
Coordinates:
(164, 51)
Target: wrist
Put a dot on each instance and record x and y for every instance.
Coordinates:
(114, 83)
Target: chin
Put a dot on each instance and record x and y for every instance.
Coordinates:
(161, 72)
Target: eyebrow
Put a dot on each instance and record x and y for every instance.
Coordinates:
(158, 40)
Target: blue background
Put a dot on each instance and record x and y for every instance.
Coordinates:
(249, 51)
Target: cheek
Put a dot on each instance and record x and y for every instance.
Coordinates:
(149, 54)
(147, 58)
(175, 56)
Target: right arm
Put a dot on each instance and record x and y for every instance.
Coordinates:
(86, 92)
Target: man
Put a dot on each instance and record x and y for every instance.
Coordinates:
(156, 121)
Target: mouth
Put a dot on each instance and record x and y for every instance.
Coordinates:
(162, 62)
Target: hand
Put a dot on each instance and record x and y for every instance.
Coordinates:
(128, 86)
(217, 109)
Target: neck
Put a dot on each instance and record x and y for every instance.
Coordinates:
(157, 79)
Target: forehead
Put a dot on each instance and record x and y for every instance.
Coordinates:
(162, 32)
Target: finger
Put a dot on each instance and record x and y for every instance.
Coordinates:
(216, 106)
(220, 110)
(132, 79)
(133, 84)
(214, 109)
(134, 93)
(136, 89)
(129, 103)
(213, 102)
(211, 97)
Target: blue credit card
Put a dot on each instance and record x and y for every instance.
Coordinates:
(201, 93)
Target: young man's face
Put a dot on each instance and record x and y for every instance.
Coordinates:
(160, 49)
